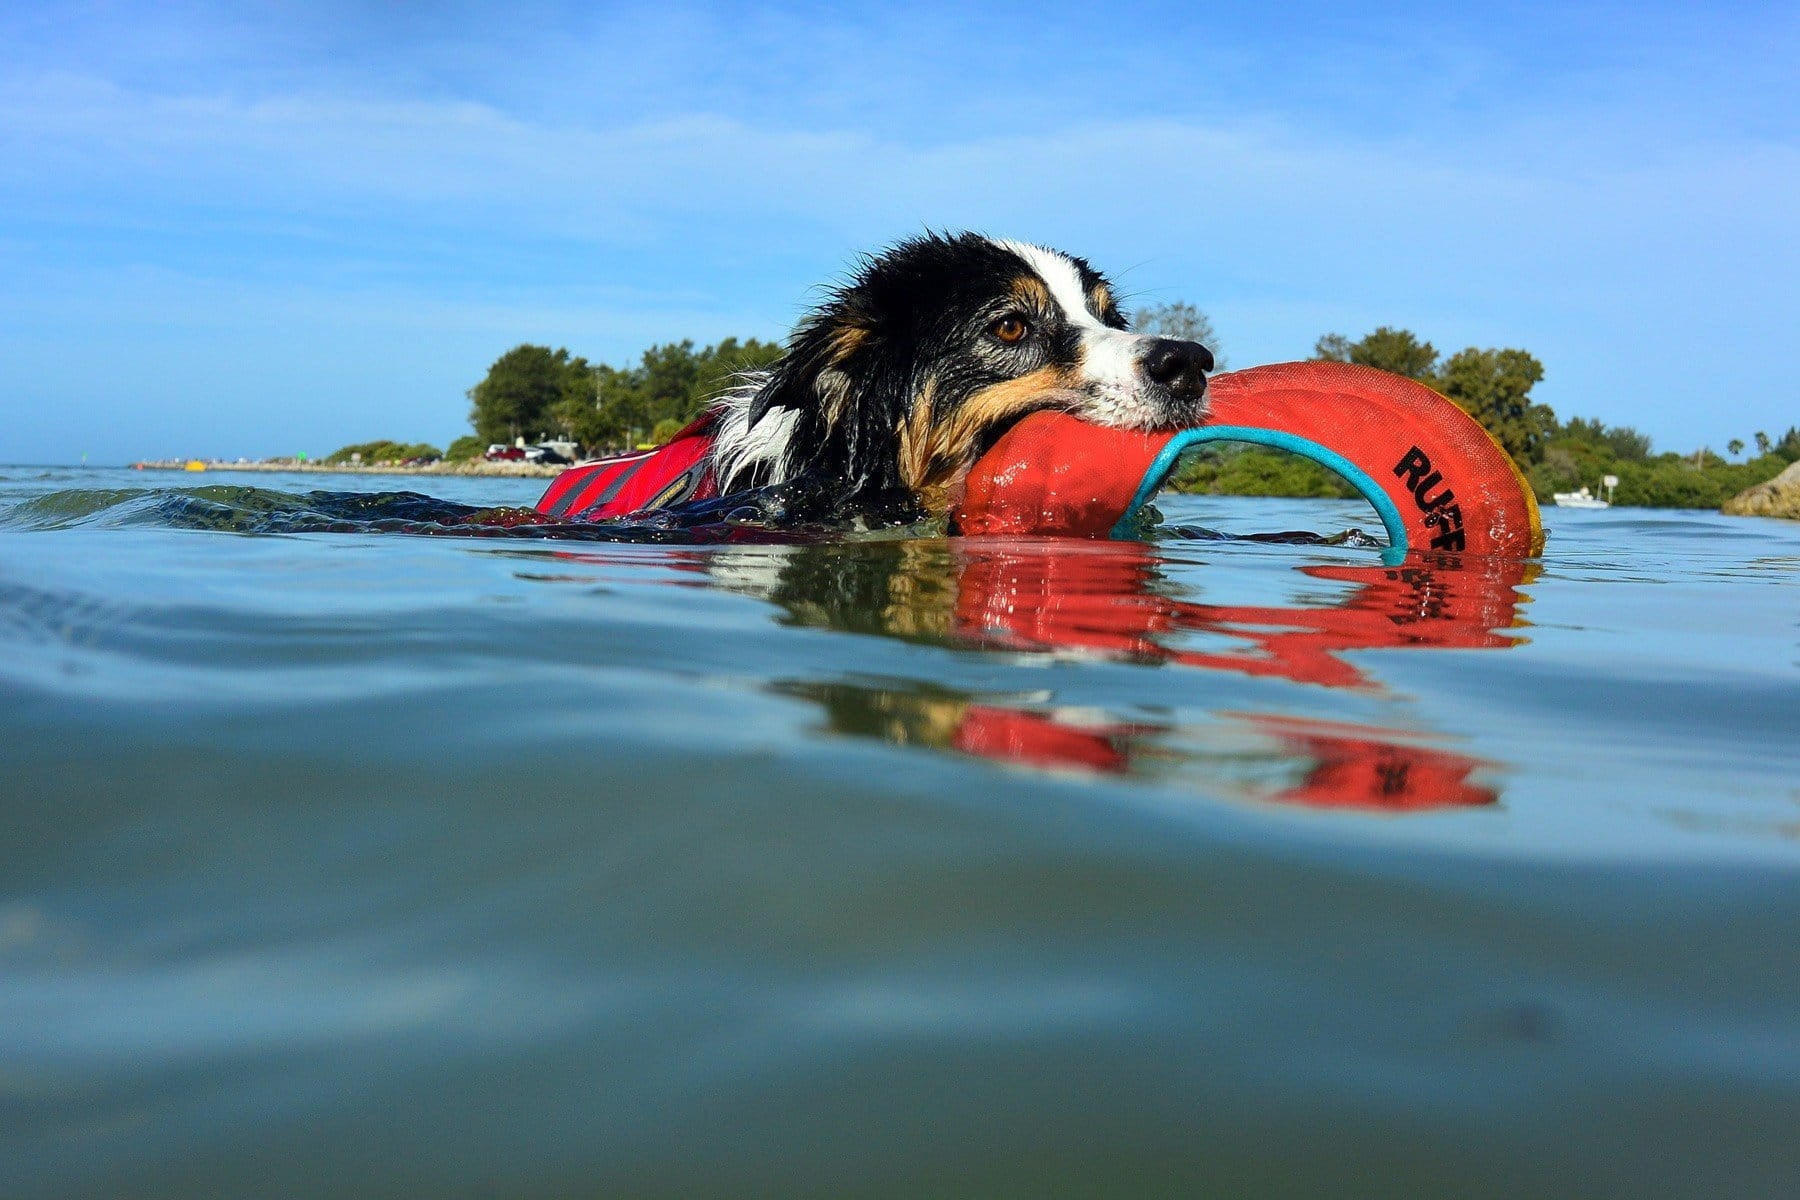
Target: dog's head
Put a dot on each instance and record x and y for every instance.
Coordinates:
(910, 370)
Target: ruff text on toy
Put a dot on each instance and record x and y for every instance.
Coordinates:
(1441, 509)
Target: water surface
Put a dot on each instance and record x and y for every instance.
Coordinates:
(362, 863)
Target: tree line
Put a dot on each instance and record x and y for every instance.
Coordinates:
(383, 454)
(538, 393)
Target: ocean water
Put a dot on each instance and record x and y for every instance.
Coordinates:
(338, 861)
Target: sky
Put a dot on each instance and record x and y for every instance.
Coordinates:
(254, 228)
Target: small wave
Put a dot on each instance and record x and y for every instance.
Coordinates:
(61, 510)
(764, 514)
(252, 510)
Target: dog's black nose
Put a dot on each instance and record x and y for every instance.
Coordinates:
(1178, 366)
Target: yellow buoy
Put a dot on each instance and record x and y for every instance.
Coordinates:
(195, 464)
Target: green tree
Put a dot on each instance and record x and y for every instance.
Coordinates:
(1333, 347)
(1388, 349)
(671, 383)
(519, 393)
(731, 358)
(1494, 387)
(1234, 469)
(577, 400)
(383, 453)
(1678, 481)
(1735, 447)
(579, 411)
(1179, 319)
(1625, 443)
(610, 406)
(465, 448)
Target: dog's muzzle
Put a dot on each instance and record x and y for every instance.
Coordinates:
(1179, 369)
(1179, 366)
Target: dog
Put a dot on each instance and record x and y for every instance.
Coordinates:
(891, 388)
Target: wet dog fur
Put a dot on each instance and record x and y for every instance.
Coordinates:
(892, 387)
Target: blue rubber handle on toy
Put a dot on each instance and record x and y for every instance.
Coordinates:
(1331, 460)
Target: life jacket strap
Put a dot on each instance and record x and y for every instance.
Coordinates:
(613, 487)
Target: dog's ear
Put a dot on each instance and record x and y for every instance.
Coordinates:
(788, 386)
(811, 377)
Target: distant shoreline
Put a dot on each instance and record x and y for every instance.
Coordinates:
(517, 469)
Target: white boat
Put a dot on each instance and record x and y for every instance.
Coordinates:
(1581, 499)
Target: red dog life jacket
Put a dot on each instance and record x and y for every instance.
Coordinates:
(612, 487)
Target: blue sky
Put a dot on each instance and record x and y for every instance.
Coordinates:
(261, 228)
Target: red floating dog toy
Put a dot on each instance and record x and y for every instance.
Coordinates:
(1433, 474)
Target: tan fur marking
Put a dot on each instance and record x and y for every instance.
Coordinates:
(916, 439)
(847, 340)
(1031, 293)
(833, 387)
(932, 451)
(1100, 298)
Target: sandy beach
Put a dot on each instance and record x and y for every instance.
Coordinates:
(288, 466)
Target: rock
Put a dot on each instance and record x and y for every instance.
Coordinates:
(1779, 497)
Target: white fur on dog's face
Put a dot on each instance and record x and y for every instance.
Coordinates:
(1111, 371)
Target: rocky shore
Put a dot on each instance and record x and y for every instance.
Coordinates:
(477, 467)
(1779, 497)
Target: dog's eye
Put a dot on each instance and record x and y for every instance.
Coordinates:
(1010, 328)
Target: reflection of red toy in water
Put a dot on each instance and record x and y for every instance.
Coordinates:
(1038, 740)
(1352, 766)
(1099, 597)
(1109, 599)
(1359, 767)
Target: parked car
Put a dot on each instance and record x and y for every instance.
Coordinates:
(500, 452)
(544, 454)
